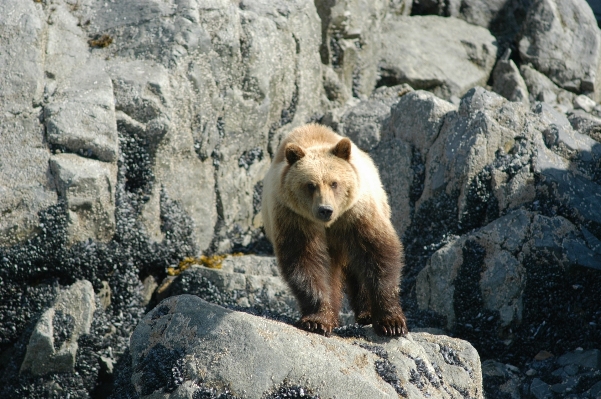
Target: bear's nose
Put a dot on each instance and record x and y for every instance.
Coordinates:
(325, 212)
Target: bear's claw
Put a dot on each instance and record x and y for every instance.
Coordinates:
(318, 326)
(392, 326)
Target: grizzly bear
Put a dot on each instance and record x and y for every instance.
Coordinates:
(327, 216)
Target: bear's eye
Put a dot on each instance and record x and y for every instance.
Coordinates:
(312, 187)
(334, 184)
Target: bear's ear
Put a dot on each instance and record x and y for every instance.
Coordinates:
(343, 149)
(293, 153)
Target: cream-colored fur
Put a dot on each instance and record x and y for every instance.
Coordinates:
(364, 193)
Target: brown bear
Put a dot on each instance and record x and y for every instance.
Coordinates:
(328, 218)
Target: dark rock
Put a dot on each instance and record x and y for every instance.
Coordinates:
(589, 359)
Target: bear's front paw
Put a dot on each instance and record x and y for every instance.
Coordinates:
(392, 325)
(317, 323)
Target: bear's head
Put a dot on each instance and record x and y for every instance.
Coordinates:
(320, 183)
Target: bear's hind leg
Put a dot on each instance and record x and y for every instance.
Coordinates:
(359, 299)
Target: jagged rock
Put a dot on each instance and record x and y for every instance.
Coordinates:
(583, 102)
(24, 186)
(508, 82)
(561, 39)
(462, 149)
(515, 162)
(507, 382)
(563, 140)
(502, 281)
(541, 88)
(351, 37)
(363, 122)
(586, 123)
(88, 189)
(151, 130)
(414, 123)
(201, 347)
(393, 159)
(333, 86)
(53, 344)
(243, 281)
(417, 118)
(467, 52)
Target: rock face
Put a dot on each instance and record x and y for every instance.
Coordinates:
(567, 50)
(136, 134)
(463, 55)
(184, 331)
(24, 185)
(88, 189)
(242, 281)
(508, 82)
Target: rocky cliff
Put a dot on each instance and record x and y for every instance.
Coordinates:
(134, 137)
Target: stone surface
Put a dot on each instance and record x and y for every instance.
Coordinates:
(351, 33)
(242, 281)
(88, 189)
(463, 148)
(393, 159)
(363, 122)
(508, 82)
(80, 116)
(510, 382)
(417, 119)
(53, 344)
(206, 343)
(586, 123)
(24, 186)
(589, 359)
(502, 280)
(583, 102)
(134, 135)
(561, 39)
(414, 50)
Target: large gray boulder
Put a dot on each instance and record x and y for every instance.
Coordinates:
(417, 119)
(446, 56)
(200, 348)
(561, 39)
